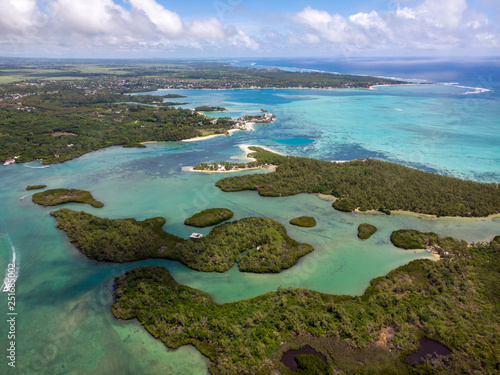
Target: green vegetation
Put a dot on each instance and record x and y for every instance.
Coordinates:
(258, 244)
(54, 197)
(304, 221)
(369, 185)
(311, 364)
(57, 122)
(366, 230)
(151, 75)
(122, 240)
(454, 301)
(35, 187)
(57, 110)
(228, 166)
(209, 217)
(174, 96)
(413, 239)
(206, 108)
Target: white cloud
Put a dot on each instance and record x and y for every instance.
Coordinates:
(96, 24)
(210, 28)
(241, 40)
(19, 16)
(443, 13)
(89, 17)
(166, 21)
(432, 24)
(73, 25)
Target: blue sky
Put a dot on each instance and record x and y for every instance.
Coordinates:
(244, 28)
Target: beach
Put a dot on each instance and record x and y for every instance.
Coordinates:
(191, 169)
(203, 138)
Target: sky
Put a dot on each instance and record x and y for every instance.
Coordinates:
(244, 28)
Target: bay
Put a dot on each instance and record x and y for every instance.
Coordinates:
(63, 299)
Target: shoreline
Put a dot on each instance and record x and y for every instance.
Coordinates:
(331, 198)
(397, 84)
(246, 150)
(191, 169)
(204, 137)
(291, 87)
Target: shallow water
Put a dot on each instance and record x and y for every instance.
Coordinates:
(63, 300)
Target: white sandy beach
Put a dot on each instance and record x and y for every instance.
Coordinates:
(203, 138)
(191, 169)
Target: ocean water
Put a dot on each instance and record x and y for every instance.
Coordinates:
(64, 322)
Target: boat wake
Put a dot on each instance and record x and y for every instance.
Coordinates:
(12, 272)
(44, 166)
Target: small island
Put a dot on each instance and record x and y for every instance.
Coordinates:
(35, 187)
(365, 231)
(55, 197)
(207, 108)
(304, 221)
(173, 96)
(209, 217)
(259, 245)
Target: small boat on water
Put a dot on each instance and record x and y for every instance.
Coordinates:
(196, 235)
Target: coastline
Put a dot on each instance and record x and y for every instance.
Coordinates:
(205, 137)
(246, 149)
(394, 84)
(191, 169)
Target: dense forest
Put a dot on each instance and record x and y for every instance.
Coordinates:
(65, 121)
(54, 197)
(35, 187)
(454, 301)
(304, 221)
(369, 185)
(210, 216)
(366, 230)
(257, 244)
(121, 240)
(206, 108)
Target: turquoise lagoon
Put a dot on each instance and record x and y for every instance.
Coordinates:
(64, 323)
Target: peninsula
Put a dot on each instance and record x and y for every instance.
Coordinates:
(210, 216)
(368, 185)
(54, 197)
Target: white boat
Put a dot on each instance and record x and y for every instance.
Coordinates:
(6, 287)
(196, 235)
(9, 281)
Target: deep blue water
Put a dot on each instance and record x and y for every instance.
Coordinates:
(475, 72)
